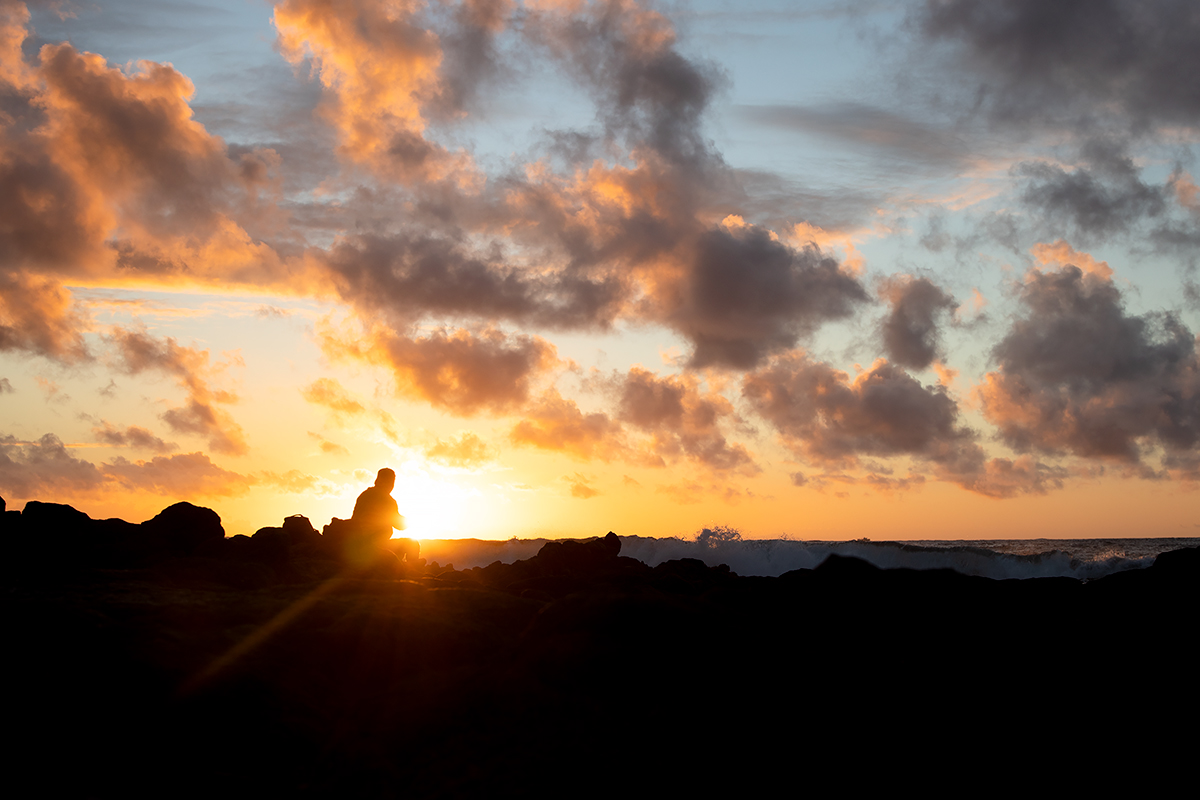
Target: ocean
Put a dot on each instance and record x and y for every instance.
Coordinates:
(1084, 559)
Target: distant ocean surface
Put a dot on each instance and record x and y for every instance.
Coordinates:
(1084, 559)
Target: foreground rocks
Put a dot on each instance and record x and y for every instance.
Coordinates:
(165, 659)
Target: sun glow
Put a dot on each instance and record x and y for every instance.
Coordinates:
(432, 506)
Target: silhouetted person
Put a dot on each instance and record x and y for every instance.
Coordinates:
(376, 514)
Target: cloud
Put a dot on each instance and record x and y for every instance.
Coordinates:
(6, 387)
(911, 337)
(293, 481)
(1104, 197)
(108, 176)
(133, 436)
(459, 371)
(580, 486)
(408, 276)
(681, 420)
(184, 475)
(625, 55)
(1074, 59)
(1077, 374)
(1003, 477)
(748, 295)
(38, 316)
(329, 393)
(826, 417)
(1061, 254)
(556, 423)
(44, 467)
(612, 224)
(464, 451)
(139, 352)
(687, 493)
(379, 68)
(328, 447)
(889, 134)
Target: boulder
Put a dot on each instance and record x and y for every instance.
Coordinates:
(183, 527)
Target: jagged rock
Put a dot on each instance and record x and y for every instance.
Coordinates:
(575, 557)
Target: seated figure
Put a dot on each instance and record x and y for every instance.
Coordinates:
(375, 515)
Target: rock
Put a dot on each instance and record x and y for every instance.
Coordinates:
(183, 527)
(574, 557)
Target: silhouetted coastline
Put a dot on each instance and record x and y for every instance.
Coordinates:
(167, 659)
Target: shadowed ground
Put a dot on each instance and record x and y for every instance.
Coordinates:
(170, 661)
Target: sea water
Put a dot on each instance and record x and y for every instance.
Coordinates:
(1084, 559)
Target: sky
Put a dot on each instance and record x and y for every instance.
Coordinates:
(807, 269)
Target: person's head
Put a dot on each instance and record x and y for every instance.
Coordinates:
(386, 479)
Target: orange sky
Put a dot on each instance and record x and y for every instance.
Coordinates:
(590, 266)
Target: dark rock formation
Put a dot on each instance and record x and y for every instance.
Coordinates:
(183, 527)
(260, 665)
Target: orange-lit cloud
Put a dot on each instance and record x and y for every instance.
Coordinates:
(1061, 254)
(109, 178)
(38, 316)
(379, 66)
(464, 451)
(139, 352)
(328, 447)
(185, 475)
(463, 372)
(329, 393)
(581, 486)
(555, 423)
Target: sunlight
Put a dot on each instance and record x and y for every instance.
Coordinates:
(433, 508)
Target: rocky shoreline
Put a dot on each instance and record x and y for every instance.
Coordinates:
(166, 659)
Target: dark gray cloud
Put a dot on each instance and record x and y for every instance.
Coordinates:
(1075, 60)
(1077, 374)
(408, 277)
(646, 91)
(1104, 196)
(749, 295)
(827, 418)
(467, 33)
(911, 333)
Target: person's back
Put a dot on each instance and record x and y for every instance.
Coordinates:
(376, 513)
